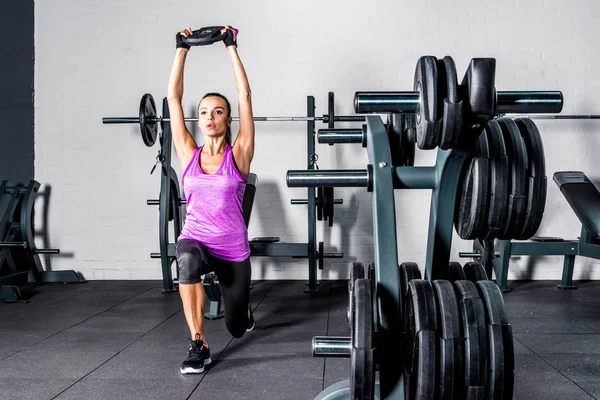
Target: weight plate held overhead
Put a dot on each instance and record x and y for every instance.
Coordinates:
(205, 36)
(148, 124)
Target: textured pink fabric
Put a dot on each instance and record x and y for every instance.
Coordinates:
(214, 208)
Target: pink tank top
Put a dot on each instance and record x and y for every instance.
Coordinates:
(214, 208)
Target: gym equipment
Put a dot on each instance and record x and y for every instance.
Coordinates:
(19, 257)
(381, 177)
(149, 120)
(584, 199)
(204, 36)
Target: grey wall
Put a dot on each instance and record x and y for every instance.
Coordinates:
(16, 91)
(97, 58)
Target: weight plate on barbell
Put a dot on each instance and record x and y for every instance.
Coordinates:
(330, 111)
(501, 347)
(148, 124)
(328, 209)
(536, 173)
(517, 197)
(420, 341)
(453, 107)
(362, 376)
(451, 357)
(428, 118)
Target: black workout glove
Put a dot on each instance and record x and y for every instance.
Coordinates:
(179, 44)
(231, 37)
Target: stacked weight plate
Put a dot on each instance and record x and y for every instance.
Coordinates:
(503, 189)
(457, 339)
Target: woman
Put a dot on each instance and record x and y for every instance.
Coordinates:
(214, 237)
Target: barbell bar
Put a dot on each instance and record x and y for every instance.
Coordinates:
(515, 102)
(24, 246)
(156, 120)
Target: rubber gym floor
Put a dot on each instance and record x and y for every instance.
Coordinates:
(126, 340)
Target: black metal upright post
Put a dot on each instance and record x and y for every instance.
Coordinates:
(449, 165)
(387, 277)
(312, 216)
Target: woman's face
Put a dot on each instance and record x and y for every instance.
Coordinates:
(212, 116)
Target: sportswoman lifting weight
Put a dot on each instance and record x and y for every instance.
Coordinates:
(214, 236)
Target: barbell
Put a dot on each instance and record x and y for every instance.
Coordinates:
(149, 119)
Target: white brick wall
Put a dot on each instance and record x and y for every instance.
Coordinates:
(96, 58)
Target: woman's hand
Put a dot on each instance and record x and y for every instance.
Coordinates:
(230, 36)
(179, 44)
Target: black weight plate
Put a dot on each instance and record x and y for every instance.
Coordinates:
(451, 352)
(442, 87)
(330, 111)
(395, 125)
(148, 124)
(410, 129)
(536, 172)
(499, 178)
(517, 198)
(362, 377)
(473, 319)
(356, 272)
(455, 272)
(408, 271)
(501, 347)
(321, 255)
(487, 254)
(420, 342)
(428, 120)
(473, 201)
(475, 272)
(205, 36)
(482, 146)
(371, 277)
(319, 204)
(329, 205)
(453, 107)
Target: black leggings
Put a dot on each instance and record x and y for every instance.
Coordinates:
(234, 277)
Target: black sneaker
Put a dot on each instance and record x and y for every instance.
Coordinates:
(198, 357)
(251, 324)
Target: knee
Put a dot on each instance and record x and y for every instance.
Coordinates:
(188, 264)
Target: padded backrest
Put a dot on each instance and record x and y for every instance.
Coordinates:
(583, 197)
(248, 200)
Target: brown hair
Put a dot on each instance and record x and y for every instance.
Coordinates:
(214, 94)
